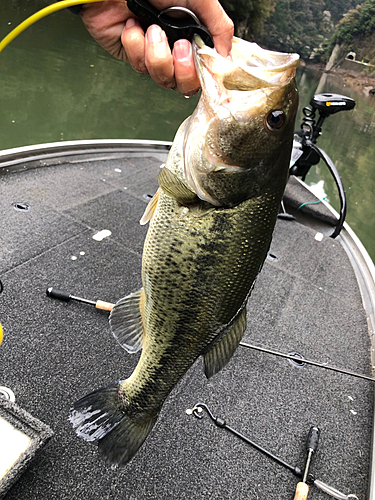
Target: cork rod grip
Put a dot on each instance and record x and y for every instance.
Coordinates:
(104, 306)
(301, 491)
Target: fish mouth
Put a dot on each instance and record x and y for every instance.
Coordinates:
(249, 69)
(230, 133)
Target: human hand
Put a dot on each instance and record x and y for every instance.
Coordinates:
(119, 31)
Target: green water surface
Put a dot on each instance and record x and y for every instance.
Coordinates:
(57, 84)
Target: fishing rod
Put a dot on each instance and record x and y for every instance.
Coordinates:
(312, 443)
(66, 297)
(302, 489)
(108, 306)
(300, 361)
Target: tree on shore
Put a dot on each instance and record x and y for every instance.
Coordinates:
(302, 26)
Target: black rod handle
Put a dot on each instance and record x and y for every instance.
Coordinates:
(58, 294)
(313, 439)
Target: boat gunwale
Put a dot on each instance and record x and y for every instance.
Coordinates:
(11, 159)
(364, 270)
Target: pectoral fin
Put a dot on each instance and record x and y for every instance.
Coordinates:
(175, 188)
(126, 321)
(215, 359)
(150, 209)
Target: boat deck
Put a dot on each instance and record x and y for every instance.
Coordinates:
(306, 300)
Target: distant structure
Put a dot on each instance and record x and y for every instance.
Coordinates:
(333, 57)
(349, 62)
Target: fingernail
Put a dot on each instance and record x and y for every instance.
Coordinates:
(130, 23)
(191, 93)
(182, 50)
(154, 34)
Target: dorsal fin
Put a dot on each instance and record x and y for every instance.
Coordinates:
(126, 321)
(150, 209)
(176, 188)
(217, 357)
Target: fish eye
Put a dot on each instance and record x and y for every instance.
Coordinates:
(275, 120)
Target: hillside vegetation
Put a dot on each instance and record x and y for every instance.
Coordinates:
(356, 32)
(308, 27)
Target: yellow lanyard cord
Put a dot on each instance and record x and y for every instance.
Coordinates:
(39, 15)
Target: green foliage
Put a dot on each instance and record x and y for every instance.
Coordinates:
(338, 8)
(359, 23)
(296, 26)
(302, 26)
(248, 15)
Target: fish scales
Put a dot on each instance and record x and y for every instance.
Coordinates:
(221, 254)
(211, 225)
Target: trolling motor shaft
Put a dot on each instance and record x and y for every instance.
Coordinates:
(309, 154)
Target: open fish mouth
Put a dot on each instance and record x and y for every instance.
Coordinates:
(244, 118)
(250, 67)
(244, 80)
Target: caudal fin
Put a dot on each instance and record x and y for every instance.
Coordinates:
(105, 416)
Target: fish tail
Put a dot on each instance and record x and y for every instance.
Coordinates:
(105, 416)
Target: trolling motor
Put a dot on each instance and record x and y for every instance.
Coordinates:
(305, 151)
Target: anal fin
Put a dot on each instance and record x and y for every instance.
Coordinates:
(126, 321)
(220, 354)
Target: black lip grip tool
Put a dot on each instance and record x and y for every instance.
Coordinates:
(175, 28)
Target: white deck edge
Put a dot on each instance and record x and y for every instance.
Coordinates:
(14, 157)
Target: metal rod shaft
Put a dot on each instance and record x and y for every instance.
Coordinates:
(308, 362)
(295, 470)
(85, 301)
(307, 466)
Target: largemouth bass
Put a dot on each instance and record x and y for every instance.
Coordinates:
(211, 224)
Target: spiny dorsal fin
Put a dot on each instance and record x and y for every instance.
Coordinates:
(175, 188)
(217, 357)
(150, 209)
(126, 321)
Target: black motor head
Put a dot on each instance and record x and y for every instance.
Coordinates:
(328, 104)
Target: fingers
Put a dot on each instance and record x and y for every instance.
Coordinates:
(115, 28)
(151, 54)
(184, 69)
(158, 57)
(212, 15)
(105, 21)
(133, 41)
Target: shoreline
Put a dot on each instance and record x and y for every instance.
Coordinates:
(356, 80)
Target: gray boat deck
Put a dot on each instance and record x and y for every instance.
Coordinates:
(306, 301)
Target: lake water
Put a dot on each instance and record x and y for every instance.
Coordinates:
(58, 84)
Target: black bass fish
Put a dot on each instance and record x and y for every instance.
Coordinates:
(211, 223)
